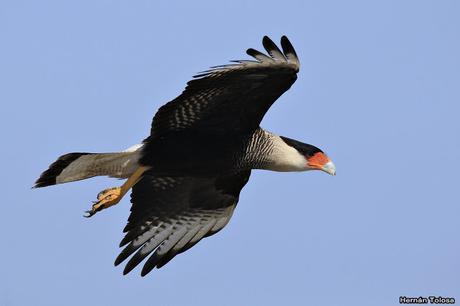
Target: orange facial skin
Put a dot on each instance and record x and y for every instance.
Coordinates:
(318, 160)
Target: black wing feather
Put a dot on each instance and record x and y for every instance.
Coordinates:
(171, 214)
(289, 51)
(273, 49)
(259, 55)
(232, 98)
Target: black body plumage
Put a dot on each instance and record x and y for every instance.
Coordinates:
(200, 153)
(207, 129)
(201, 149)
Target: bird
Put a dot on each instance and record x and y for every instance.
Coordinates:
(187, 175)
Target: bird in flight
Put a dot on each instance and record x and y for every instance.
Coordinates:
(186, 177)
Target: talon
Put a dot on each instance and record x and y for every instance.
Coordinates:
(105, 199)
(102, 194)
(111, 196)
(88, 214)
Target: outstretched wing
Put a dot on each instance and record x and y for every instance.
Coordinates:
(171, 214)
(231, 98)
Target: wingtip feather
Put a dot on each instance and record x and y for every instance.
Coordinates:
(273, 49)
(289, 51)
(259, 55)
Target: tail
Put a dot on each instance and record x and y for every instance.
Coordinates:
(79, 166)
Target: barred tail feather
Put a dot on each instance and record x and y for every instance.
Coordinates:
(79, 166)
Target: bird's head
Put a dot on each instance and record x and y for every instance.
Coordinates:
(314, 158)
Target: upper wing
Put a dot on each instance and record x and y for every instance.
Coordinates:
(171, 214)
(231, 98)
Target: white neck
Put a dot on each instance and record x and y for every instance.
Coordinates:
(283, 157)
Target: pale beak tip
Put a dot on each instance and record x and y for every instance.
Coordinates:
(329, 167)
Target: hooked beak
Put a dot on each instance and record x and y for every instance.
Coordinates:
(329, 167)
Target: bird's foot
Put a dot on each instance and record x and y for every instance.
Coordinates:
(105, 199)
(112, 196)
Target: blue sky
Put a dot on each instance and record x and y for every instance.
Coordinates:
(378, 91)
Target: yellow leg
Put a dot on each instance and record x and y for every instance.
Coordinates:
(112, 196)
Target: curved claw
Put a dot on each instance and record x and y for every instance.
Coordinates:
(89, 213)
(106, 198)
(94, 209)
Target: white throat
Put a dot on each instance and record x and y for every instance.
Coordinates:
(285, 158)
